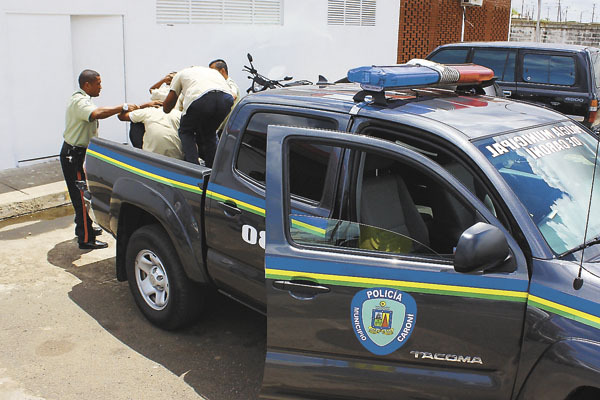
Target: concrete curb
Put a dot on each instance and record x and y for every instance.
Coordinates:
(33, 199)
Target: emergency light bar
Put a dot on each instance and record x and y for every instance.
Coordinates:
(418, 73)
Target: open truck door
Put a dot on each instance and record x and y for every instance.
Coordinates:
(370, 303)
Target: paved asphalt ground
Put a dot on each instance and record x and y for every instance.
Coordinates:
(69, 330)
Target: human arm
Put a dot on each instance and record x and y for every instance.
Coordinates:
(105, 112)
(124, 115)
(167, 79)
(170, 101)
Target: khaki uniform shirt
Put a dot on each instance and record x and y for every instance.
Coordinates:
(79, 130)
(194, 82)
(161, 131)
(161, 94)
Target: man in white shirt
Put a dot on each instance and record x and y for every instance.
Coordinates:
(160, 135)
(207, 99)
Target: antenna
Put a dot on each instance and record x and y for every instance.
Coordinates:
(578, 282)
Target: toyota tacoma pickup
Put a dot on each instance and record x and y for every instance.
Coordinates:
(405, 240)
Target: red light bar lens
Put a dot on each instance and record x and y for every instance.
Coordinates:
(473, 73)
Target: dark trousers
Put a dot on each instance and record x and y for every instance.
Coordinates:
(198, 126)
(136, 134)
(71, 161)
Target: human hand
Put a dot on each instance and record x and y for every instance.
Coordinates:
(132, 107)
(169, 77)
(153, 104)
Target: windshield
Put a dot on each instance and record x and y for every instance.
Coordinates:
(550, 170)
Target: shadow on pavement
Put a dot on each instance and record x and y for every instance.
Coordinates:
(221, 357)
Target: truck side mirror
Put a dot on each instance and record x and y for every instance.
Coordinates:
(479, 248)
(249, 57)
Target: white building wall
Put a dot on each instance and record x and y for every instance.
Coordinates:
(303, 46)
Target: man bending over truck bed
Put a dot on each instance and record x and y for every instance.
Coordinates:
(160, 130)
(207, 99)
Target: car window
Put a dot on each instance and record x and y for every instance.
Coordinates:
(494, 59)
(312, 160)
(509, 71)
(450, 56)
(501, 61)
(396, 208)
(595, 55)
(552, 69)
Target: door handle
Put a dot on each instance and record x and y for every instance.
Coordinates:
(230, 208)
(301, 290)
(507, 93)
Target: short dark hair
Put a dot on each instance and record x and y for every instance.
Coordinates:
(87, 75)
(219, 64)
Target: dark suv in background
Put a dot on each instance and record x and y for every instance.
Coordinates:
(563, 77)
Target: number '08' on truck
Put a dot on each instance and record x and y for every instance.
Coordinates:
(405, 239)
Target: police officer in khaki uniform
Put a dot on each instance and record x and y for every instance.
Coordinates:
(207, 99)
(81, 124)
(160, 129)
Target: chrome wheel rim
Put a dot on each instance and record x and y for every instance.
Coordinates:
(152, 281)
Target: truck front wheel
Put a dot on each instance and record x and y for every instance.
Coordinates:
(157, 281)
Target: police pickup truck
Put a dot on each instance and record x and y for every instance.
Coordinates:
(404, 239)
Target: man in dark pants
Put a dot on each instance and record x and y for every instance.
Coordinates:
(207, 99)
(81, 124)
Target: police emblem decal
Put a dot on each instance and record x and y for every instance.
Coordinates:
(383, 319)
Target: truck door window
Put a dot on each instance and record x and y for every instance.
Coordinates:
(444, 156)
(545, 68)
(395, 208)
(502, 61)
(309, 172)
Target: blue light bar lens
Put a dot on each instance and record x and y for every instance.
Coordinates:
(380, 78)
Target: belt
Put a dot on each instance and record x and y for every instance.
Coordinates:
(70, 146)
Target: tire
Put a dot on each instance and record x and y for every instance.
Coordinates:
(161, 290)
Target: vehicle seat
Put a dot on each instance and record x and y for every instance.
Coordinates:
(385, 202)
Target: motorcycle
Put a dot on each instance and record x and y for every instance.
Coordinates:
(261, 83)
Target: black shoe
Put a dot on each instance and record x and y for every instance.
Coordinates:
(96, 244)
(97, 231)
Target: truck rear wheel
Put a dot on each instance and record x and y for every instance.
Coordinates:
(158, 282)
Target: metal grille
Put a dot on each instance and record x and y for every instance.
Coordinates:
(249, 12)
(449, 75)
(351, 12)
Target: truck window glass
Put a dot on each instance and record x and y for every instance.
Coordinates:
(544, 68)
(308, 164)
(451, 56)
(251, 162)
(550, 171)
(445, 157)
(495, 59)
(396, 209)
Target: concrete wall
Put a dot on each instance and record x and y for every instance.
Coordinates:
(556, 32)
(303, 46)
